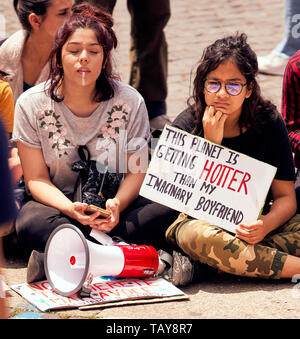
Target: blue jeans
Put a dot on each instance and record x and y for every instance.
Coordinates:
(291, 42)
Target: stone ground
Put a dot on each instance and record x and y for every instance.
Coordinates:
(194, 24)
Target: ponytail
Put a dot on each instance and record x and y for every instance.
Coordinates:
(24, 8)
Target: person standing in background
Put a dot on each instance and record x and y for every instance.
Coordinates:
(275, 62)
(148, 53)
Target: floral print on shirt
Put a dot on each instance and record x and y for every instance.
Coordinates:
(49, 122)
(117, 118)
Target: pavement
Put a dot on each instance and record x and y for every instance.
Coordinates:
(194, 24)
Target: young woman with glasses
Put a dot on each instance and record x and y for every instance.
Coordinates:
(227, 108)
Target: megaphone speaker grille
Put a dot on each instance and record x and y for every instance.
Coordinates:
(66, 259)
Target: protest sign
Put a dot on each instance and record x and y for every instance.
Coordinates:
(205, 180)
(106, 291)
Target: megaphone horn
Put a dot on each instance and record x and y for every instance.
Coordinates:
(70, 259)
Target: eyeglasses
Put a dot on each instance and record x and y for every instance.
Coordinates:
(232, 88)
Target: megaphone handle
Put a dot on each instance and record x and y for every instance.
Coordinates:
(102, 237)
(85, 291)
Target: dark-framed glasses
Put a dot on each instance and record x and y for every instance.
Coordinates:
(232, 88)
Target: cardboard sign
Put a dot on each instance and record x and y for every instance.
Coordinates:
(106, 291)
(205, 180)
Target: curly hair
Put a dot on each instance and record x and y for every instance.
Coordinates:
(255, 110)
(85, 16)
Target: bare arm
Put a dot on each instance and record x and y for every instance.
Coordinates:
(15, 165)
(127, 193)
(37, 179)
(284, 206)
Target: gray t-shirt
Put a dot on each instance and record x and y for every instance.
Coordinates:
(118, 126)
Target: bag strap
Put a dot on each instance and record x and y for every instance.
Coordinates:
(84, 153)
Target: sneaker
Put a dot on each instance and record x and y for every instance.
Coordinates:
(273, 64)
(185, 270)
(159, 122)
(35, 267)
(182, 270)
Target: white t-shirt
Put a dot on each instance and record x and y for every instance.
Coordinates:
(118, 126)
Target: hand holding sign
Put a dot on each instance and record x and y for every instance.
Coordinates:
(208, 182)
(253, 233)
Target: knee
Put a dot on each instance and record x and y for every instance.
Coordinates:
(34, 224)
(27, 216)
(200, 237)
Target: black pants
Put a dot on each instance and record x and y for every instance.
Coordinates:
(148, 49)
(144, 222)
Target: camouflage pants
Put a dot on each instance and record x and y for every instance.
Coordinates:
(220, 249)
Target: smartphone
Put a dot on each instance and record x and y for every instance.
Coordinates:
(103, 213)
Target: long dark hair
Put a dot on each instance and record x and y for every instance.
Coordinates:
(255, 111)
(24, 8)
(85, 16)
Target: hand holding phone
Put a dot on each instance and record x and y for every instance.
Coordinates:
(103, 213)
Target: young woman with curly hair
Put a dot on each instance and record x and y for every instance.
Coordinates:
(227, 108)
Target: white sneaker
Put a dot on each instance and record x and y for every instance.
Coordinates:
(273, 64)
(159, 122)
